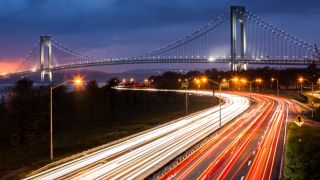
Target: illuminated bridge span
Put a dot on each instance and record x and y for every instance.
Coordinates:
(238, 37)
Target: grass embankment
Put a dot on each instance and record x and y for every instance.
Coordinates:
(139, 112)
(302, 155)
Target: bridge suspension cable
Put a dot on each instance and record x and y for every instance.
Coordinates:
(286, 36)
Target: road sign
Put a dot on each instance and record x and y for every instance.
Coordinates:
(299, 120)
(225, 84)
(316, 105)
(184, 85)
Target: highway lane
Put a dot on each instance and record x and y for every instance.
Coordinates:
(251, 147)
(139, 156)
(316, 93)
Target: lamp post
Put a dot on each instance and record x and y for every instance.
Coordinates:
(312, 101)
(227, 81)
(235, 80)
(147, 82)
(220, 98)
(273, 79)
(185, 85)
(76, 81)
(301, 79)
(258, 81)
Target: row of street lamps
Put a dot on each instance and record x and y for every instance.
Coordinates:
(301, 80)
(198, 81)
(259, 81)
(78, 81)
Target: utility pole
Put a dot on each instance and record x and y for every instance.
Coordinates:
(51, 137)
(277, 87)
(220, 97)
(273, 79)
(312, 99)
(186, 100)
(76, 81)
(185, 85)
(220, 101)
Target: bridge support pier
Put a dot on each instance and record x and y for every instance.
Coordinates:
(238, 15)
(45, 63)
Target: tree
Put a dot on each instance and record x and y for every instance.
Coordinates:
(112, 82)
(20, 106)
(28, 109)
(93, 92)
(62, 102)
(312, 72)
(169, 80)
(2, 108)
(109, 90)
(193, 74)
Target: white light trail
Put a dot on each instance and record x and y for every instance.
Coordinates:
(141, 155)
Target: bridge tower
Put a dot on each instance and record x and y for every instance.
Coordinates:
(45, 63)
(238, 15)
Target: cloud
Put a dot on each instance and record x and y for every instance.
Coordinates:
(9, 65)
(127, 27)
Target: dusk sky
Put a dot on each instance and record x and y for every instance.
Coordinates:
(127, 28)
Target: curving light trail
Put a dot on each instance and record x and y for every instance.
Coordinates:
(250, 147)
(139, 156)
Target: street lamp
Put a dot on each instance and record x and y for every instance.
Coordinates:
(301, 79)
(236, 80)
(258, 81)
(147, 82)
(197, 81)
(243, 81)
(204, 79)
(312, 94)
(77, 81)
(273, 79)
(228, 82)
(185, 85)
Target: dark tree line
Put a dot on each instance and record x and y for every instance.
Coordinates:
(287, 77)
(24, 111)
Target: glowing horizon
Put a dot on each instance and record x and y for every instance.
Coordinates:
(9, 65)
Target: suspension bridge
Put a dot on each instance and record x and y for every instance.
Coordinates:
(238, 37)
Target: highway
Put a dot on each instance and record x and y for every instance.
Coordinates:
(141, 155)
(250, 147)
